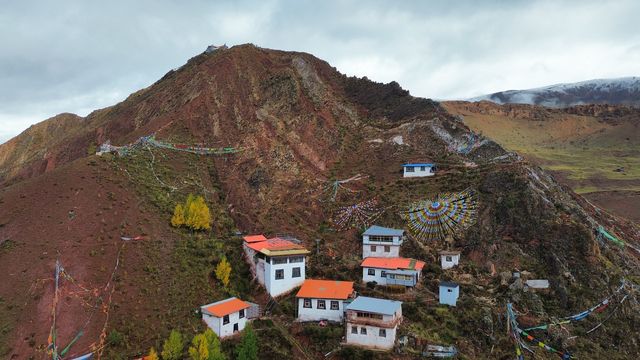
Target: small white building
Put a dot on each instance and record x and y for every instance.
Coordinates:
(449, 293)
(418, 169)
(380, 241)
(449, 259)
(323, 299)
(278, 264)
(392, 271)
(226, 317)
(373, 322)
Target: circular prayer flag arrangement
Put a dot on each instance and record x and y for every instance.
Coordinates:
(445, 214)
(358, 215)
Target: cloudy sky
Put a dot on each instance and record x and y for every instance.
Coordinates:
(79, 55)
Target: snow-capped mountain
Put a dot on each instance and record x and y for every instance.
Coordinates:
(600, 91)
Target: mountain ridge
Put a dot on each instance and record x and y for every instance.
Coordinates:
(624, 91)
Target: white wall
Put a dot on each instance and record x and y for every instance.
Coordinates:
(418, 173)
(449, 264)
(215, 323)
(378, 276)
(315, 314)
(372, 338)
(394, 251)
(449, 296)
(278, 287)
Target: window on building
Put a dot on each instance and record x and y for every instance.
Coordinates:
(354, 329)
(335, 305)
(380, 238)
(371, 272)
(241, 313)
(296, 259)
(422, 168)
(295, 272)
(369, 315)
(449, 290)
(363, 331)
(322, 305)
(225, 320)
(409, 169)
(280, 274)
(449, 259)
(278, 260)
(383, 333)
(392, 276)
(387, 248)
(373, 248)
(307, 303)
(383, 274)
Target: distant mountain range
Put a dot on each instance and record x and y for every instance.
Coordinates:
(599, 91)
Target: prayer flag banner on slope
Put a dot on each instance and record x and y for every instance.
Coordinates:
(446, 214)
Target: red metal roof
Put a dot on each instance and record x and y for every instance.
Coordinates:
(226, 307)
(393, 263)
(254, 238)
(274, 244)
(326, 289)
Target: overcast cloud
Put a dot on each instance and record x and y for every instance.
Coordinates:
(78, 55)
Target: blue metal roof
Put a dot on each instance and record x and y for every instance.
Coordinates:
(375, 305)
(418, 164)
(379, 230)
(449, 284)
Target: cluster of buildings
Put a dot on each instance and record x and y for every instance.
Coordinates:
(279, 263)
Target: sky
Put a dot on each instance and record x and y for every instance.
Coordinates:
(81, 55)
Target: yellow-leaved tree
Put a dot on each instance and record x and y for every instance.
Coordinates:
(178, 216)
(223, 270)
(153, 355)
(194, 214)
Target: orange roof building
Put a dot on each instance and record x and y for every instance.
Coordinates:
(225, 307)
(393, 263)
(326, 289)
(392, 271)
(226, 317)
(278, 264)
(323, 300)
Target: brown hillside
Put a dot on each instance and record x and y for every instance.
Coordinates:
(299, 125)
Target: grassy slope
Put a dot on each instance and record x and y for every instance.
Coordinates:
(580, 148)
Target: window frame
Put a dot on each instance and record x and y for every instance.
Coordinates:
(296, 259)
(387, 248)
(373, 248)
(370, 271)
(363, 330)
(336, 303)
(293, 272)
(354, 330)
(448, 258)
(225, 320)
(241, 314)
(304, 304)
(320, 302)
(383, 274)
(409, 169)
(279, 260)
(382, 333)
(279, 271)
